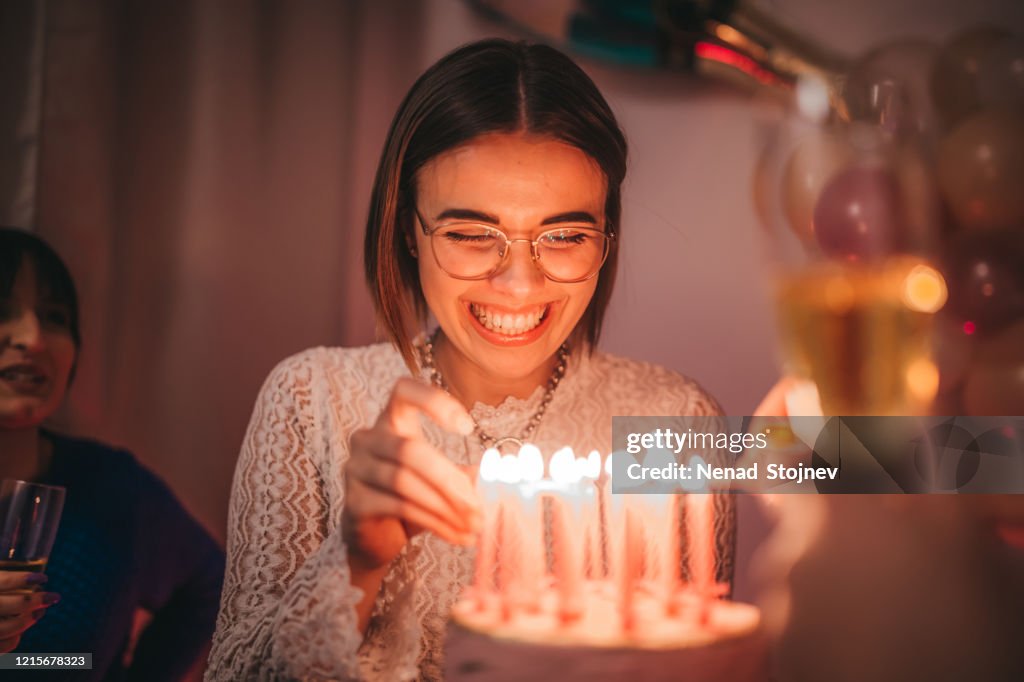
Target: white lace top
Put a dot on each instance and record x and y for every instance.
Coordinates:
(288, 608)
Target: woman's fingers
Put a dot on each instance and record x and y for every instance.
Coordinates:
(402, 482)
(420, 458)
(17, 603)
(8, 644)
(411, 398)
(20, 580)
(13, 626)
(371, 502)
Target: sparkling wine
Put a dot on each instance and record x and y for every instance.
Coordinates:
(34, 565)
(862, 333)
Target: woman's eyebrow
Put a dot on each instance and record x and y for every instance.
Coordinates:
(467, 214)
(480, 216)
(571, 217)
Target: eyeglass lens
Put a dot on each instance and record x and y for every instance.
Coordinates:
(563, 254)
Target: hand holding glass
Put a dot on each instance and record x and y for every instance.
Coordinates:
(29, 517)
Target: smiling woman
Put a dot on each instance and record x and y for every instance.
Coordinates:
(494, 213)
(124, 542)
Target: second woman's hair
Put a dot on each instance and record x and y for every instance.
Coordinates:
(491, 86)
(53, 281)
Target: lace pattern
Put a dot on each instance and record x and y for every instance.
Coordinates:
(288, 607)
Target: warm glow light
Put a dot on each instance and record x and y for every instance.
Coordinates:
(724, 55)
(924, 289)
(593, 469)
(531, 462)
(562, 467)
(608, 464)
(490, 465)
(923, 379)
(509, 470)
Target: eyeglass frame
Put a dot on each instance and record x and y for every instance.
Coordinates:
(608, 235)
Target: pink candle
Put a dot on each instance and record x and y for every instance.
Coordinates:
(483, 578)
(670, 553)
(700, 531)
(510, 567)
(567, 508)
(632, 565)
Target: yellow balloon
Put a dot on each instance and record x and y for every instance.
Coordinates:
(981, 169)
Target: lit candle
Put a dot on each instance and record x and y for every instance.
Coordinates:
(590, 473)
(510, 567)
(700, 530)
(531, 465)
(567, 504)
(483, 581)
(627, 540)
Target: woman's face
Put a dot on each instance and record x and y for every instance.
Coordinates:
(523, 185)
(36, 354)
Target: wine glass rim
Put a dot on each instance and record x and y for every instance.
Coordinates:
(17, 481)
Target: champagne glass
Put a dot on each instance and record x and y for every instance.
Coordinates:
(29, 517)
(852, 216)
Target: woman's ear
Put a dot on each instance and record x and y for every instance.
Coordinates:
(410, 242)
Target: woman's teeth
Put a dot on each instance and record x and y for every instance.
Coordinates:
(507, 323)
(22, 375)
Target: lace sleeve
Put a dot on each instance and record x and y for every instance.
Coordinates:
(710, 419)
(288, 607)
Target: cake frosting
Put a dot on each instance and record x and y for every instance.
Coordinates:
(487, 642)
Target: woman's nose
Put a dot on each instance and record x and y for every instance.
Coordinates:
(23, 331)
(520, 275)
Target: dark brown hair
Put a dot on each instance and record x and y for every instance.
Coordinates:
(490, 86)
(53, 281)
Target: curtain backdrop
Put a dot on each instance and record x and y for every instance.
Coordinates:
(204, 168)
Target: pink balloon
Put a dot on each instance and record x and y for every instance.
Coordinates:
(956, 74)
(890, 86)
(858, 214)
(815, 160)
(1001, 74)
(985, 277)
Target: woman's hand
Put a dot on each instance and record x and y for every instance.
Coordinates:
(396, 484)
(20, 605)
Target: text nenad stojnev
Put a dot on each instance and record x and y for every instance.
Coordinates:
(703, 471)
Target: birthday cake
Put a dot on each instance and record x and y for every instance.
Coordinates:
(573, 583)
(484, 644)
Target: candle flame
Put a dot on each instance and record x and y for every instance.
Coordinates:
(694, 484)
(490, 465)
(531, 463)
(608, 465)
(562, 467)
(509, 470)
(593, 470)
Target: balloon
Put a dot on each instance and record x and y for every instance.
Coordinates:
(981, 169)
(985, 275)
(1001, 74)
(952, 350)
(858, 214)
(815, 160)
(889, 86)
(921, 199)
(957, 69)
(995, 384)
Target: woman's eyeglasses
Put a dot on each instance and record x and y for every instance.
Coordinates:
(468, 250)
